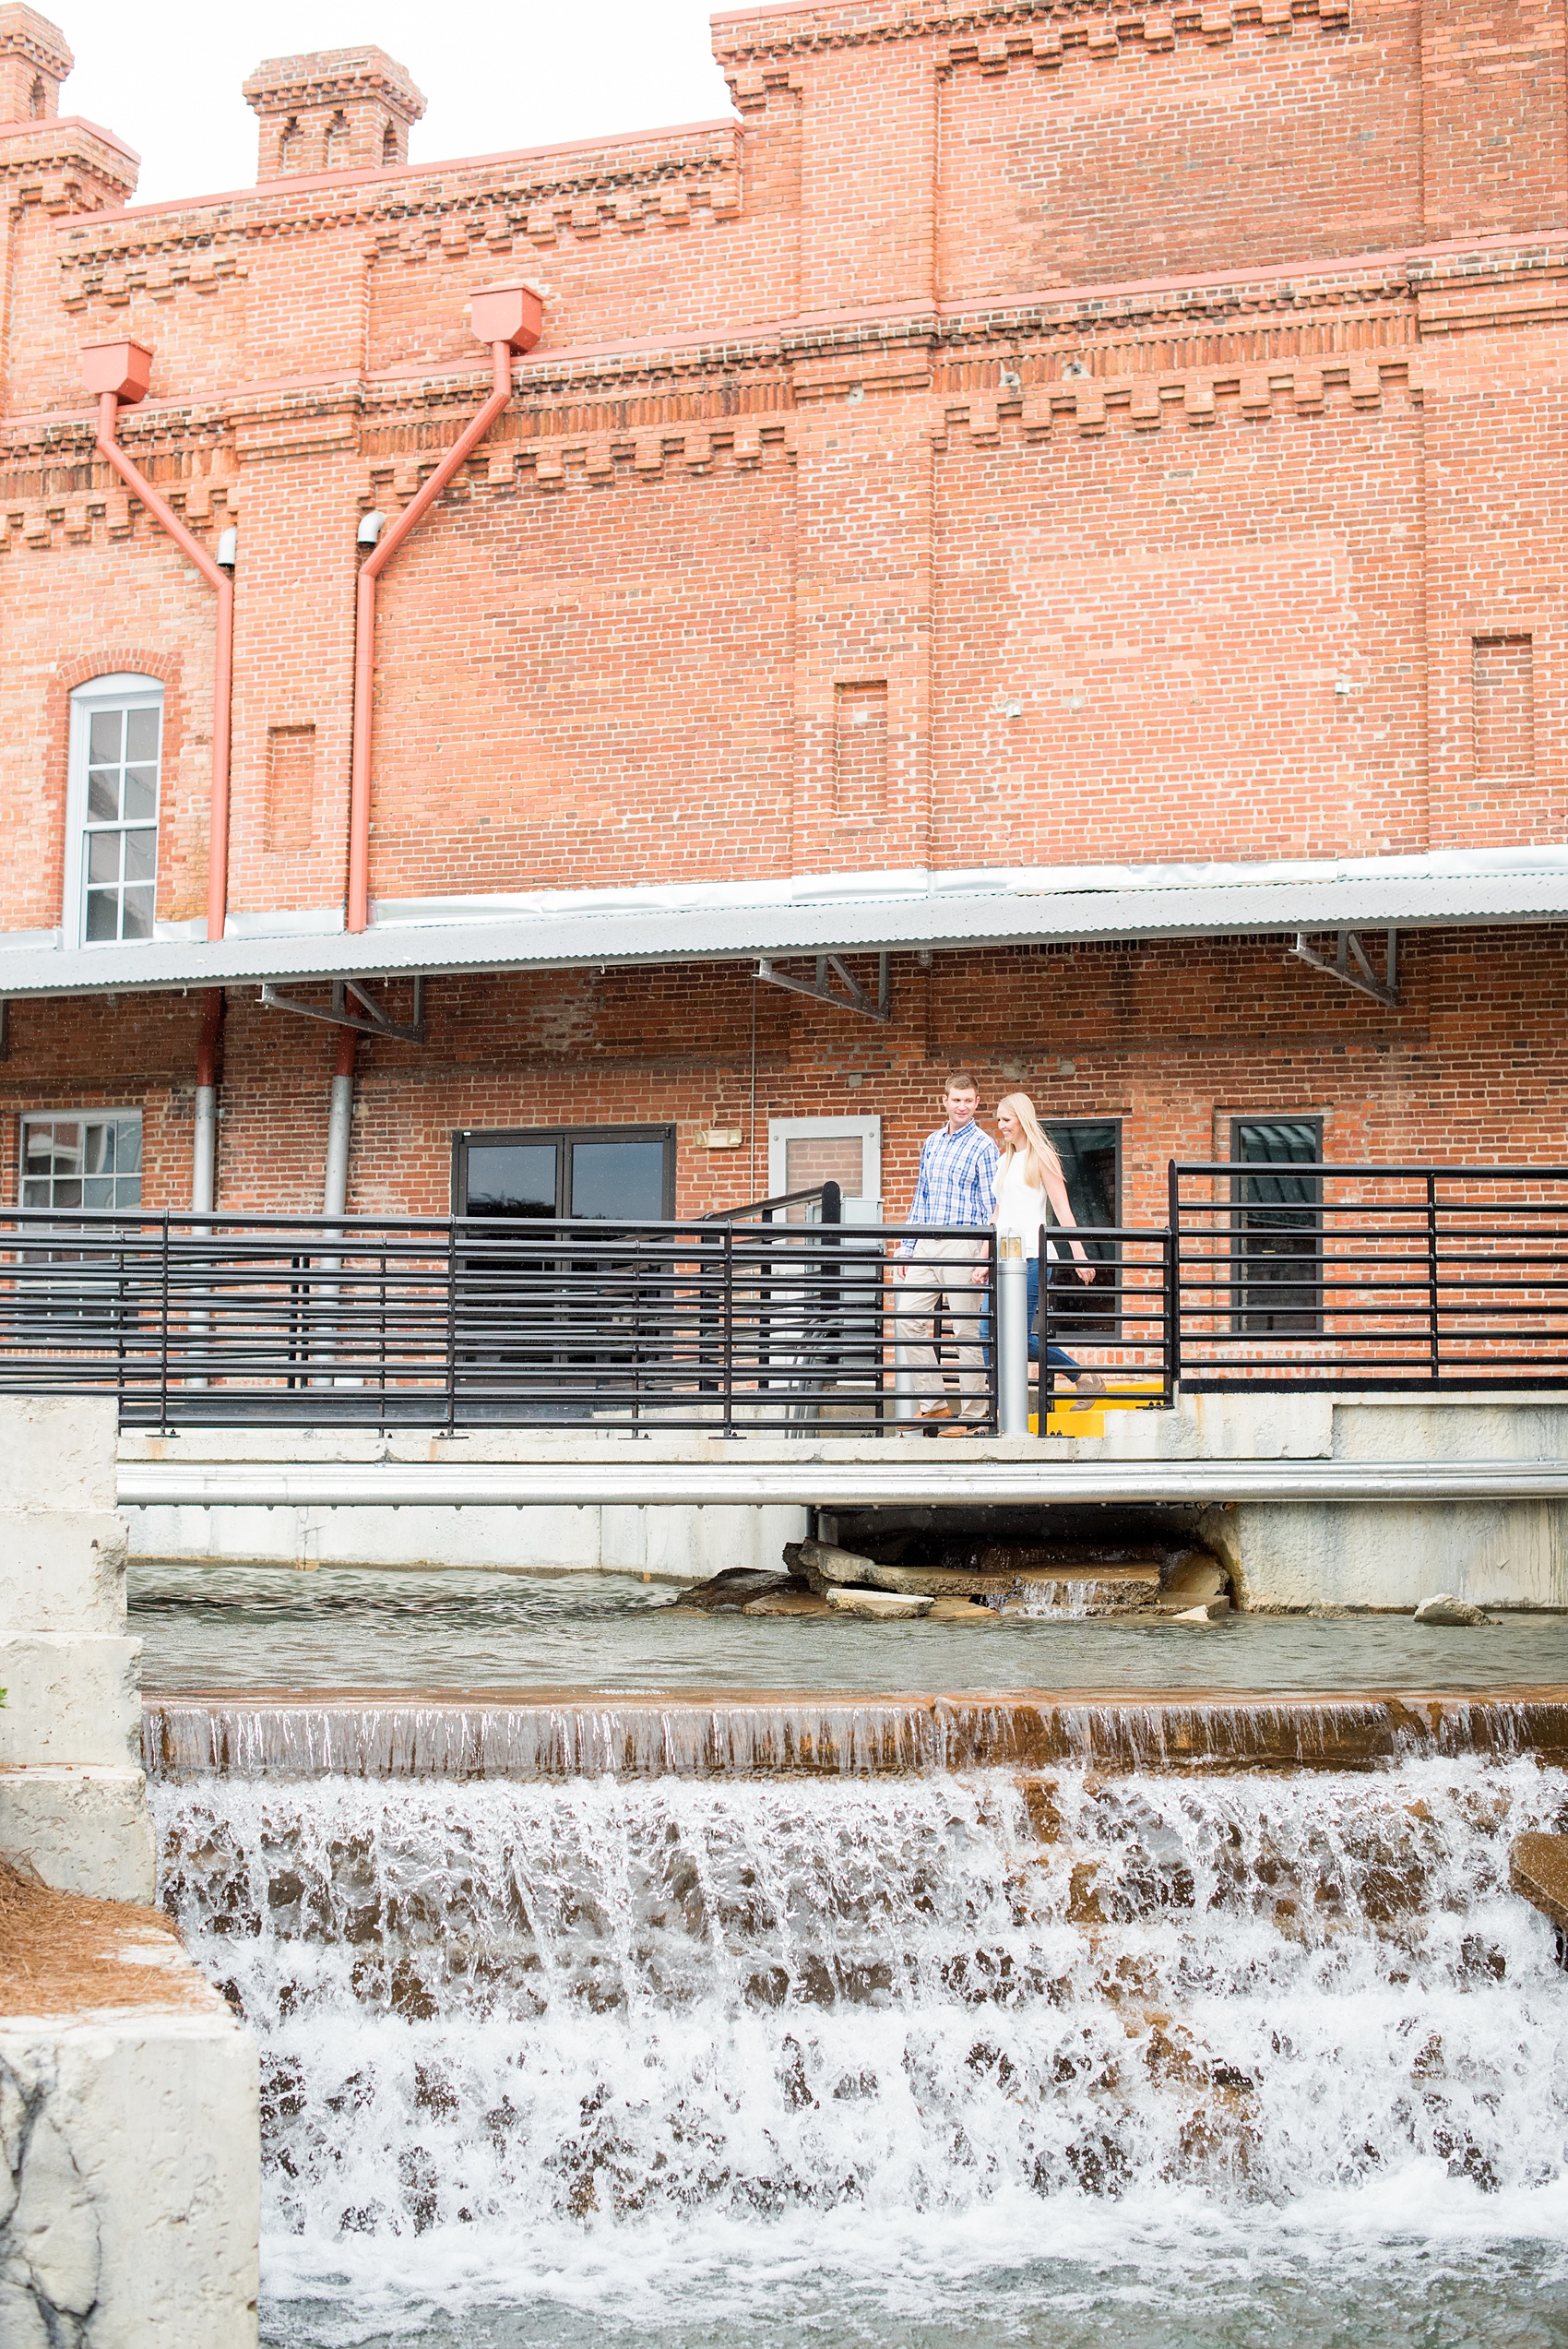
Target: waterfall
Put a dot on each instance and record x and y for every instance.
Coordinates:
(650, 1736)
(893, 2058)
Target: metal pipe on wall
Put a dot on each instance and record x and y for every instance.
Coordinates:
(203, 1157)
(509, 317)
(120, 373)
(340, 1127)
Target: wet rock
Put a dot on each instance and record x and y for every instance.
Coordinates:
(736, 1587)
(1207, 1610)
(827, 1561)
(1190, 1579)
(791, 1600)
(1449, 1612)
(1538, 1870)
(962, 1611)
(877, 1606)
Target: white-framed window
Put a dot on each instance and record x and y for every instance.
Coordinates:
(803, 1152)
(111, 810)
(87, 1159)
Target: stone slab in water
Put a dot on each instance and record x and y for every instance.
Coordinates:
(789, 1600)
(1538, 1868)
(1129, 1582)
(876, 1606)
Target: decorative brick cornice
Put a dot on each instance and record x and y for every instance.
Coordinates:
(65, 165)
(25, 34)
(1032, 31)
(332, 77)
(527, 203)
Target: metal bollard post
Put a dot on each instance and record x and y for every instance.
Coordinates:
(1013, 1335)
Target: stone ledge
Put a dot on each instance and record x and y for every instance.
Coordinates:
(83, 1831)
(129, 2134)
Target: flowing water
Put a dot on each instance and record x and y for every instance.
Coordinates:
(247, 1625)
(938, 2058)
(913, 2021)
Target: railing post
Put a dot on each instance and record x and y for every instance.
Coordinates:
(451, 1324)
(163, 1339)
(1012, 1365)
(1173, 1284)
(1432, 1274)
(729, 1336)
(1047, 1375)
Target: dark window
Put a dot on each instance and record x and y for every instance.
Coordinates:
(1278, 1225)
(1090, 1151)
(606, 1173)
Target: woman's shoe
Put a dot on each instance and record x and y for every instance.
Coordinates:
(1087, 1383)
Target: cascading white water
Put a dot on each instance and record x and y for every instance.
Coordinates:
(913, 2059)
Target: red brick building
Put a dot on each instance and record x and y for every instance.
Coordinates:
(1070, 498)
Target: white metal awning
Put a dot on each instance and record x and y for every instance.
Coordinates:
(824, 913)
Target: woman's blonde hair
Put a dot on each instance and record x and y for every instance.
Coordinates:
(1040, 1159)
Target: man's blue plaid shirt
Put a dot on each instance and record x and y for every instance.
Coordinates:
(958, 1180)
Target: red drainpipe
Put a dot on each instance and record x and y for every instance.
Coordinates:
(509, 317)
(119, 372)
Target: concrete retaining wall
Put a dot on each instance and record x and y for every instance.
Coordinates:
(73, 1800)
(673, 1543)
(130, 2169)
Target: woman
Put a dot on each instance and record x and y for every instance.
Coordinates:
(1032, 1190)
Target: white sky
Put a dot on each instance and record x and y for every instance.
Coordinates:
(166, 74)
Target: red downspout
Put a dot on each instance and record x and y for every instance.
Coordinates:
(509, 317)
(119, 372)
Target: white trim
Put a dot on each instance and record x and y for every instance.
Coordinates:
(120, 689)
(782, 1132)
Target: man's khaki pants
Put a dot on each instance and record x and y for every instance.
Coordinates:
(937, 1280)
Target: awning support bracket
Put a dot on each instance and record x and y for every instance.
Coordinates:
(830, 966)
(354, 1006)
(1353, 965)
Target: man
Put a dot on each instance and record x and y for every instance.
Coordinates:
(958, 1184)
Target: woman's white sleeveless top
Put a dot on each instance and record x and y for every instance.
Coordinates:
(1020, 1208)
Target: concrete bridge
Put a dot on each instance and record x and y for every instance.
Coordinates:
(1369, 1500)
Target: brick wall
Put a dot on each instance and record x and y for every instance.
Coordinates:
(1172, 1040)
(1007, 443)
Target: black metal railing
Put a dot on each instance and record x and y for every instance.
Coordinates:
(1370, 1277)
(752, 1320)
(738, 1324)
(1116, 1325)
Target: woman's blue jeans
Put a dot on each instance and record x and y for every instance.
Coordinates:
(1056, 1357)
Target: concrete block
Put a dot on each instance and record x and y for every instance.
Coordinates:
(57, 1452)
(63, 1573)
(1372, 1554)
(1459, 1427)
(70, 1701)
(132, 2172)
(84, 1830)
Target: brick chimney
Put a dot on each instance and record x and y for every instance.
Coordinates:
(34, 61)
(330, 110)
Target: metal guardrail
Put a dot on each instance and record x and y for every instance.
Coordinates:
(1311, 1276)
(727, 1326)
(1369, 1277)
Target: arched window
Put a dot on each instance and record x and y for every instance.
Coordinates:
(111, 810)
(336, 142)
(38, 99)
